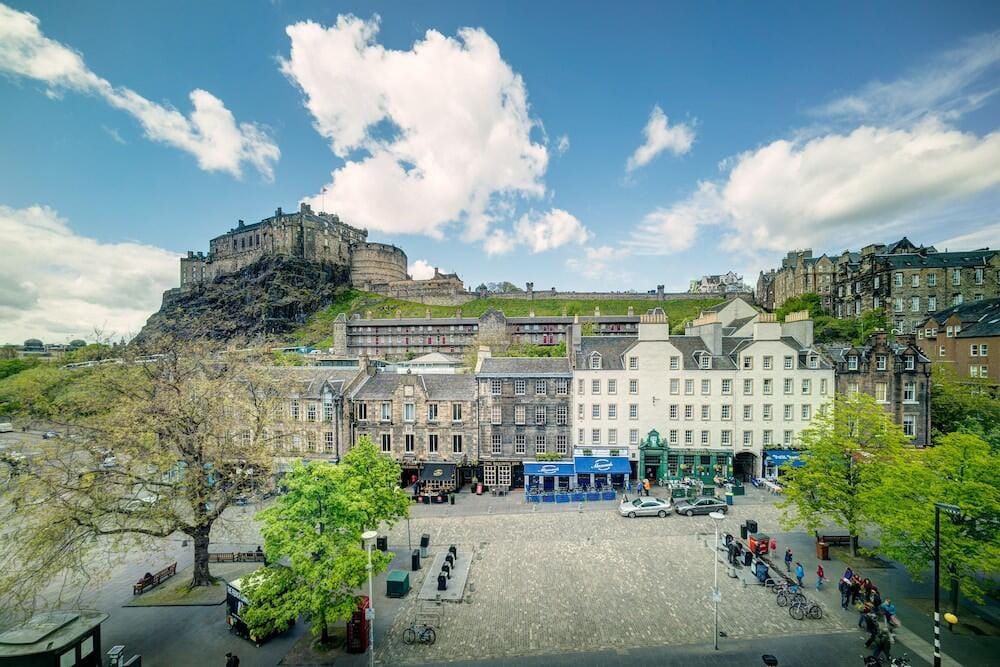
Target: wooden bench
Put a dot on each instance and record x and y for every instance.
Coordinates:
(148, 582)
(237, 557)
(843, 540)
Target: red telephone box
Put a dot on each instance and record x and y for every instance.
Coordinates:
(357, 627)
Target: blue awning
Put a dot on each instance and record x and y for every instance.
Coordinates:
(602, 465)
(780, 457)
(549, 469)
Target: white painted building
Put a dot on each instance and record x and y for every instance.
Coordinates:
(717, 402)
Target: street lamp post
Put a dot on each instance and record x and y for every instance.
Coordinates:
(954, 512)
(369, 539)
(716, 596)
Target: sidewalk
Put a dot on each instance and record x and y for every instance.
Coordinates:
(916, 633)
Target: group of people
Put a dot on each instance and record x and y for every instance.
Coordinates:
(864, 595)
(800, 572)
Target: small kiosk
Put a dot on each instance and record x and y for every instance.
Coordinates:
(549, 475)
(54, 639)
(236, 603)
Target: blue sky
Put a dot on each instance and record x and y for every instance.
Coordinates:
(592, 145)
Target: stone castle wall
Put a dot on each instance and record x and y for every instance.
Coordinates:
(375, 263)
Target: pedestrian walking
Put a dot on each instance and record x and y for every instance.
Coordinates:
(799, 572)
(855, 590)
(865, 610)
(645, 485)
(819, 576)
(889, 610)
(788, 560)
(871, 627)
(883, 643)
(876, 598)
(232, 660)
(843, 587)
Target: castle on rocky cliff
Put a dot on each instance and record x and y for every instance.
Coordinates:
(321, 238)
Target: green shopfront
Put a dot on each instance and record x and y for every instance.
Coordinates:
(658, 461)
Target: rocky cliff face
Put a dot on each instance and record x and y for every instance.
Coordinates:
(267, 298)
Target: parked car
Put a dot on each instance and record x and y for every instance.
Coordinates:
(647, 506)
(49, 435)
(703, 505)
(6, 427)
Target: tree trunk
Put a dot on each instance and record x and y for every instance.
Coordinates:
(324, 637)
(854, 545)
(201, 575)
(954, 589)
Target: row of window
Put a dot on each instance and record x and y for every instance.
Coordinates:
(979, 275)
(726, 412)
(609, 437)
(612, 410)
(595, 386)
(540, 442)
(767, 386)
(882, 362)
(313, 410)
(882, 391)
(540, 414)
(674, 364)
(434, 442)
(308, 443)
(434, 411)
(541, 387)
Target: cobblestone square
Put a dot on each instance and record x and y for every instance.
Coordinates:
(568, 580)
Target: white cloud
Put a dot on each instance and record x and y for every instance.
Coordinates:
(436, 134)
(550, 230)
(499, 242)
(423, 270)
(210, 133)
(600, 263)
(837, 187)
(660, 136)
(114, 134)
(987, 237)
(57, 285)
(562, 144)
(953, 83)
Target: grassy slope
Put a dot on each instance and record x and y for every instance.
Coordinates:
(319, 329)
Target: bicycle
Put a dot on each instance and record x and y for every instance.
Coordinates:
(799, 610)
(789, 595)
(424, 634)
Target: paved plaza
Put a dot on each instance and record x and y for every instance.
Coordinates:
(565, 580)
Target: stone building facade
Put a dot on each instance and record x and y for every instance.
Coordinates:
(764, 294)
(909, 282)
(966, 339)
(895, 372)
(801, 273)
(524, 405)
(316, 421)
(425, 422)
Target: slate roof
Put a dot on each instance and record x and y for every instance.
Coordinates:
(611, 349)
(939, 260)
(308, 381)
(447, 387)
(528, 366)
(839, 352)
(968, 313)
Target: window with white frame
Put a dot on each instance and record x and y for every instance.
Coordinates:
(409, 442)
(880, 362)
(612, 411)
(689, 411)
(581, 384)
(813, 361)
(727, 386)
(520, 387)
(432, 442)
(689, 438)
(822, 387)
(705, 438)
(932, 280)
(595, 361)
(768, 386)
(595, 436)
(519, 441)
(768, 362)
(595, 411)
(612, 436)
(726, 438)
(633, 363)
(633, 386)
(540, 415)
(675, 363)
(747, 362)
(672, 436)
(788, 412)
(915, 304)
(909, 425)
(562, 415)
(767, 437)
(806, 387)
(633, 436)
(328, 442)
(519, 415)
(727, 412)
(706, 387)
(633, 411)
(979, 276)
(311, 411)
(806, 412)
(541, 388)
(689, 387)
(562, 445)
(789, 386)
(456, 443)
(562, 387)
(909, 392)
(496, 414)
(748, 438)
(747, 387)
(540, 443)
(409, 412)
(787, 438)
(495, 387)
(432, 412)
(612, 387)
(852, 363)
(675, 386)
(706, 412)
(897, 279)
(496, 444)
(915, 280)
(595, 386)
(579, 410)
(789, 363)
(704, 361)
(386, 443)
(386, 412)
(956, 277)
(747, 413)
(674, 411)
(765, 411)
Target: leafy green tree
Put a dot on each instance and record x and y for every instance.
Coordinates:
(962, 404)
(847, 450)
(315, 530)
(811, 302)
(10, 367)
(961, 469)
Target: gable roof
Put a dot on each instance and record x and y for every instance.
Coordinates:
(528, 366)
(939, 260)
(611, 349)
(442, 387)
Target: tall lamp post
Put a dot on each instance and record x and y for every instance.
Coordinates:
(369, 539)
(716, 595)
(954, 512)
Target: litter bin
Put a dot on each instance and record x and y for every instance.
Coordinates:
(729, 497)
(442, 582)
(822, 551)
(451, 498)
(415, 560)
(427, 500)
(425, 541)
(747, 558)
(382, 543)
(751, 526)
(743, 531)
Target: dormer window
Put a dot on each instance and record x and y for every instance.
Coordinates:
(910, 362)
(595, 361)
(852, 363)
(813, 361)
(704, 361)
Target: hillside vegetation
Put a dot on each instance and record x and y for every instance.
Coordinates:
(318, 330)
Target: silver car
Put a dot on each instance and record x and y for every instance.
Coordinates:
(644, 506)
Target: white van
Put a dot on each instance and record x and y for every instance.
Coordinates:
(6, 427)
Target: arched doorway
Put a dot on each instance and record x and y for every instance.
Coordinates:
(745, 466)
